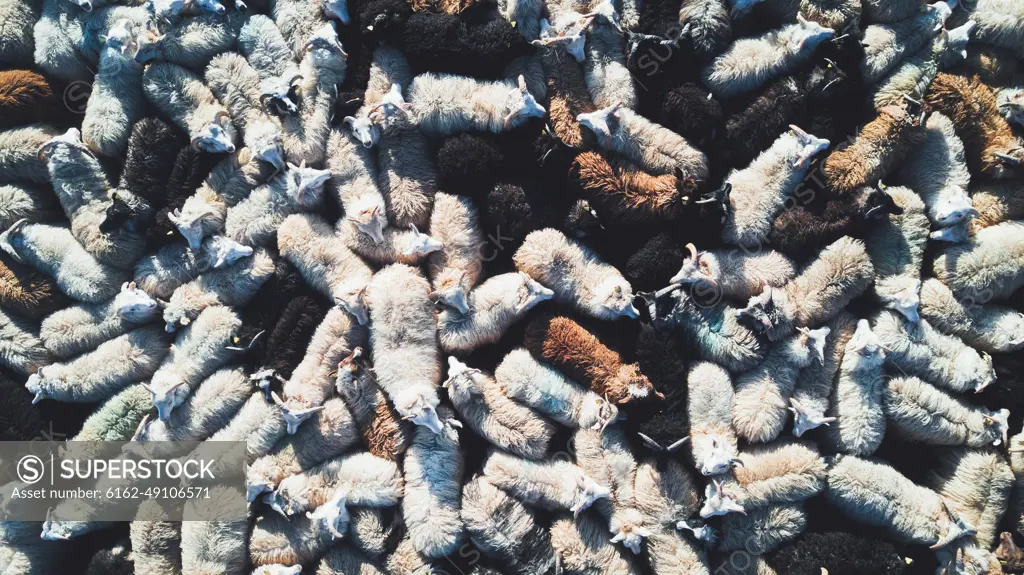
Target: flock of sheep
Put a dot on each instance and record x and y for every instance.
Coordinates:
(668, 287)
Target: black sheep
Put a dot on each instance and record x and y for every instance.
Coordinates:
(447, 43)
(261, 314)
(468, 162)
(150, 159)
(383, 20)
(287, 341)
(837, 553)
(659, 355)
(190, 169)
(19, 419)
(651, 267)
(691, 111)
(758, 121)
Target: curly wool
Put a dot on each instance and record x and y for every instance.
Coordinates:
(839, 553)
(625, 193)
(650, 267)
(447, 43)
(690, 111)
(468, 162)
(27, 292)
(880, 146)
(756, 128)
(27, 97)
(150, 160)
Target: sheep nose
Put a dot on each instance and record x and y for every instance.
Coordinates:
(231, 148)
(87, 6)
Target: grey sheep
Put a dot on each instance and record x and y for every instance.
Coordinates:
(57, 34)
(886, 45)
(406, 175)
(182, 97)
(192, 42)
(19, 153)
(925, 413)
(709, 407)
(504, 529)
(552, 484)
(937, 172)
(813, 392)
(433, 489)
(54, 251)
(976, 485)
(735, 273)
(212, 546)
(999, 24)
(254, 220)
(20, 346)
(859, 420)
(298, 21)
(209, 409)
(17, 42)
(363, 479)
(80, 328)
(25, 201)
(156, 545)
(986, 268)
(174, 265)
(353, 184)
(258, 423)
(763, 530)
(493, 307)
(233, 285)
(990, 328)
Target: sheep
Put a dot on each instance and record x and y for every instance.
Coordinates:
(535, 385)
(353, 184)
(567, 90)
(990, 147)
(886, 45)
(912, 76)
(27, 97)
(996, 202)
(118, 418)
(580, 279)
(156, 545)
(983, 270)
(332, 432)
(478, 398)
(581, 546)
(198, 351)
(115, 102)
(149, 160)
(998, 24)
(263, 45)
(976, 485)
(53, 250)
(751, 62)
(203, 413)
(1011, 105)
(309, 386)
(991, 328)
(504, 529)
(27, 292)
(761, 190)
(345, 560)
(710, 27)
(836, 551)
(396, 246)
(383, 431)
(191, 42)
(890, 11)
(433, 494)
(921, 350)
(715, 330)
(25, 201)
(306, 133)
(276, 542)
(478, 48)
(231, 285)
(735, 274)
(879, 147)
(896, 249)
(212, 546)
(236, 84)
(182, 97)
(388, 69)
(666, 496)
(654, 148)
(552, 484)
(621, 191)
(840, 273)
(374, 530)
(570, 348)
(20, 347)
(856, 405)
(876, 494)
(604, 68)
(492, 308)
(99, 374)
(709, 407)
(254, 220)
(762, 395)
(19, 153)
(17, 44)
(161, 273)
(360, 478)
(812, 395)
(24, 551)
(258, 423)
(446, 104)
(456, 268)
(308, 242)
(82, 190)
(57, 34)
(298, 21)
(763, 530)
(923, 413)
(938, 173)
(230, 182)
(191, 167)
(1008, 554)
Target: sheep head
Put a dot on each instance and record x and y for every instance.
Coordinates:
(613, 297)
(225, 251)
(587, 492)
(806, 35)
(875, 203)
(940, 12)
(306, 185)
(166, 9)
(263, 379)
(956, 43)
(150, 44)
(56, 530)
(805, 420)
(337, 10)
(597, 413)
(86, 5)
(37, 385)
(1011, 105)
(1008, 553)
(13, 238)
(323, 46)
(217, 136)
(717, 502)
(521, 105)
(997, 422)
(367, 212)
(740, 8)
(278, 96)
(700, 267)
(348, 368)
(955, 234)
(631, 535)
(278, 570)
(955, 528)
(1007, 162)
(256, 483)
(865, 346)
(119, 37)
(570, 32)
(167, 392)
(364, 129)
(806, 146)
(333, 515)
(901, 294)
(294, 415)
(289, 497)
(124, 208)
(421, 411)
(421, 244)
(601, 122)
(531, 293)
(954, 207)
(266, 145)
(456, 371)
(353, 300)
(211, 6)
(189, 221)
(764, 312)
(719, 454)
(450, 291)
(701, 531)
(135, 305)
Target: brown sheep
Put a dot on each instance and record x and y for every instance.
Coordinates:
(573, 350)
(27, 97)
(996, 202)
(880, 146)
(991, 148)
(622, 191)
(27, 292)
(381, 427)
(567, 96)
(995, 66)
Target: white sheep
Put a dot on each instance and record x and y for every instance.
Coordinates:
(735, 273)
(299, 20)
(526, 380)
(174, 265)
(258, 423)
(276, 542)
(493, 307)
(203, 413)
(212, 546)
(926, 414)
(19, 153)
(445, 104)
(99, 374)
(457, 267)
(652, 146)
(54, 251)
(999, 23)
(938, 173)
(552, 484)
(859, 421)
(886, 45)
(115, 102)
(353, 184)
(396, 245)
(760, 404)
(760, 191)
(388, 69)
(478, 398)
(749, 63)
(311, 245)
(976, 485)
(575, 274)
(365, 480)
(712, 438)
(156, 545)
(232, 285)
(254, 220)
(192, 42)
(199, 350)
(433, 488)
(263, 45)
(896, 248)
(80, 328)
(985, 269)
(990, 328)
(604, 68)
(504, 529)
(20, 346)
(57, 34)
(813, 392)
(921, 350)
(182, 97)
(582, 546)
(24, 201)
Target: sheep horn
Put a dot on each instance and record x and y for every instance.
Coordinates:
(798, 130)
(1008, 158)
(646, 439)
(142, 425)
(693, 251)
(220, 114)
(522, 84)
